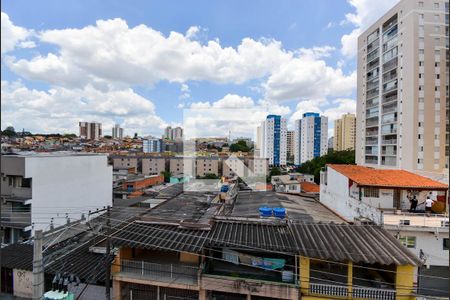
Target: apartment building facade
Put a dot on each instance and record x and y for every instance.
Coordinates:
(310, 137)
(290, 144)
(152, 145)
(32, 186)
(90, 130)
(274, 140)
(344, 133)
(153, 165)
(403, 89)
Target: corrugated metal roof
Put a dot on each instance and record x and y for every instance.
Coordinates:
(343, 242)
(160, 237)
(252, 235)
(17, 256)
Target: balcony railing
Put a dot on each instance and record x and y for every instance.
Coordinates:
(328, 289)
(373, 293)
(176, 273)
(415, 219)
(357, 292)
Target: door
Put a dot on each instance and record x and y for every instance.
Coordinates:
(397, 204)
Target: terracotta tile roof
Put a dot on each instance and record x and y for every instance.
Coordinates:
(365, 176)
(310, 187)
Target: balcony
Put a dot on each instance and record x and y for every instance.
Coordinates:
(357, 292)
(405, 219)
(231, 278)
(390, 65)
(181, 274)
(372, 122)
(389, 142)
(13, 219)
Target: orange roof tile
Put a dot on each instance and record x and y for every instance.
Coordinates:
(310, 187)
(365, 176)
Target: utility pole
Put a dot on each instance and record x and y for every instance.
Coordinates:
(38, 267)
(108, 253)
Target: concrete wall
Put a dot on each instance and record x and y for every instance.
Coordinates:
(22, 283)
(429, 241)
(337, 196)
(70, 185)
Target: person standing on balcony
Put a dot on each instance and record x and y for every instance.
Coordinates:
(414, 203)
(428, 204)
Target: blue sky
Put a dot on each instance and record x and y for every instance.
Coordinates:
(149, 60)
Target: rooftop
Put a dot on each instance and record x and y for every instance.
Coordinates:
(365, 176)
(297, 207)
(310, 187)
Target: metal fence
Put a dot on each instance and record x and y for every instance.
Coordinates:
(161, 272)
(357, 292)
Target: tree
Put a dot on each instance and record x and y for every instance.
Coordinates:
(239, 146)
(107, 137)
(208, 176)
(314, 166)
(9, 131)
(166, 175)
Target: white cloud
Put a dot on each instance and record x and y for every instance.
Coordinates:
(306, 77)
(60, 109)
(185, 91)
(13, 36)
(111, 51)
(233, 112)
(192, 32)
(339, 107)
(366, 13)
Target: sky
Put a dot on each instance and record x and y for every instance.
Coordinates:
(147, 64)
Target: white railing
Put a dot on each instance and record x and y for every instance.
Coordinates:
(161, 272)
(328, 289)
(373, 293)
(415, 219)
(357, 292)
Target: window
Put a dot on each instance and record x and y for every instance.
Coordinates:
(437, 29)
(404, 222)
(408, 241)
(436, 17)
(444, 223)
(445, 244)
(420, 4)
(26, 182)
(371, 192)
(437, 52)
(420, 63)
(436, 5)
(437, 100)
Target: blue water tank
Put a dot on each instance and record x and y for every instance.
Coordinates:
(265, 211)
(279, 212)
(224, 188)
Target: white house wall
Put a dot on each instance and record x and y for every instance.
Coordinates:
(67, 184)
(335, 195)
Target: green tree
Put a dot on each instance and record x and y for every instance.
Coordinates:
(166, 175)
(239, 146)
(208, 176)
(314, 166)
(9, 131)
